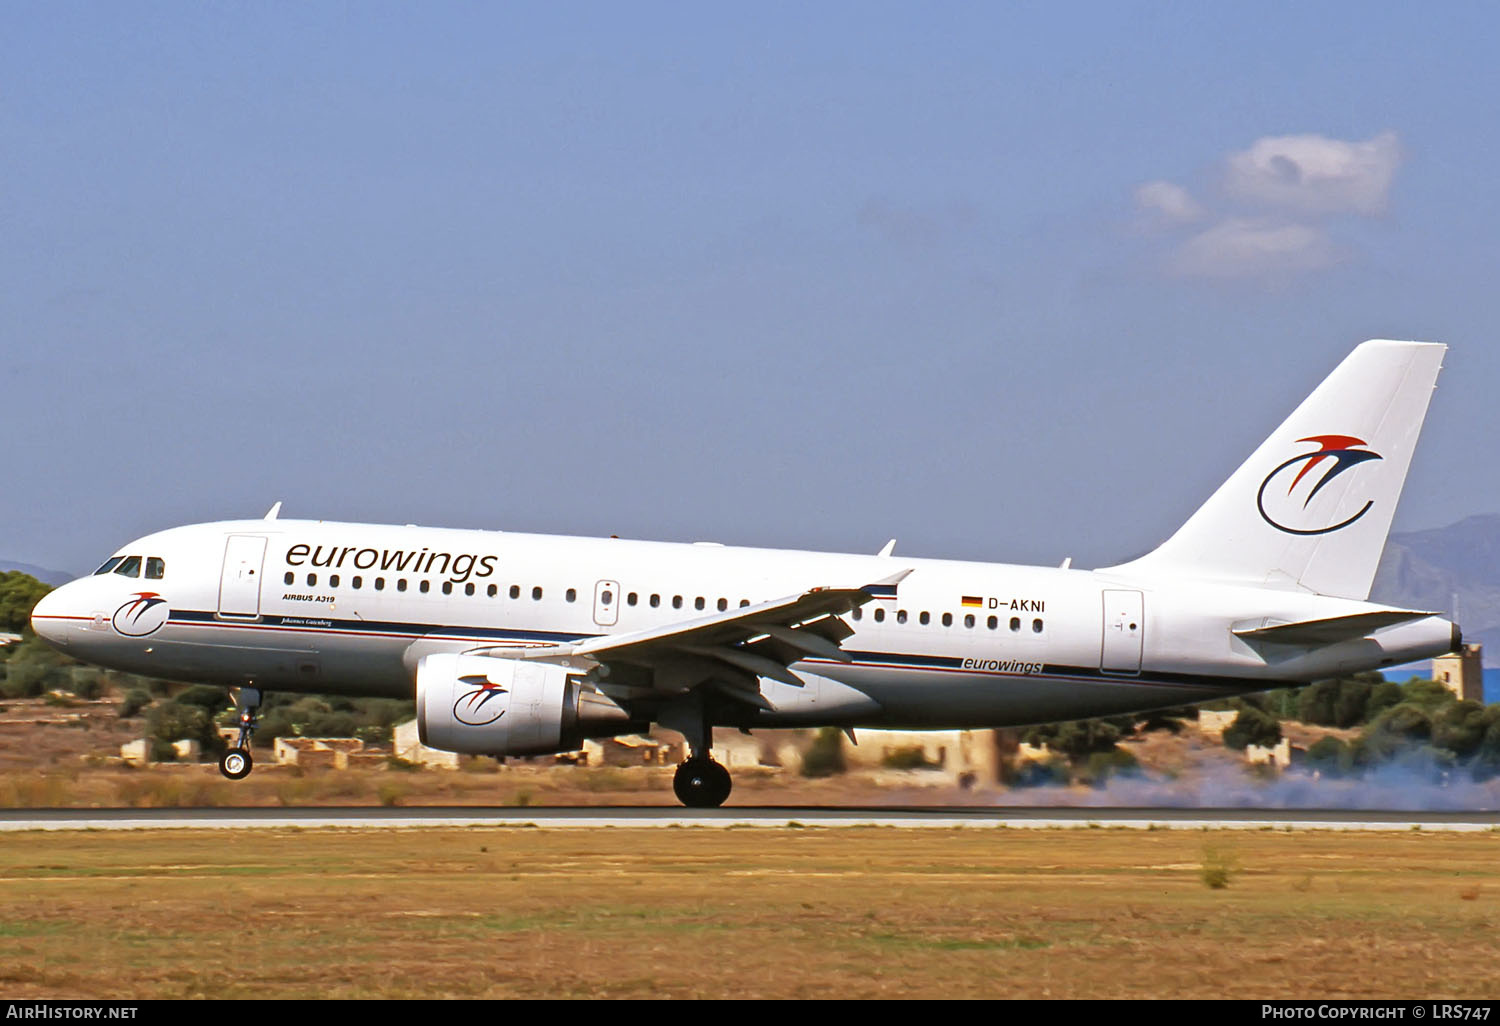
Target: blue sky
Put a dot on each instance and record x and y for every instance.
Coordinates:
(1005, 282)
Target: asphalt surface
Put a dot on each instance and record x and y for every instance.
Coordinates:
(820, 816)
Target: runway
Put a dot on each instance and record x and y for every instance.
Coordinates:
(636, 817)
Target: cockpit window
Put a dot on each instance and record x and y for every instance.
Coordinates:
(156, 568)
(109, 564)
(130, 566)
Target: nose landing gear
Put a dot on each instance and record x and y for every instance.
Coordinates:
(236, 763)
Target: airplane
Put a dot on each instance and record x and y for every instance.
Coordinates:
(521, 644)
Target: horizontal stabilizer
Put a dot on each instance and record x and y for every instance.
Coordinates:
(1330, 629)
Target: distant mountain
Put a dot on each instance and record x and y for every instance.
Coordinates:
(1458, 564)
(53, 577)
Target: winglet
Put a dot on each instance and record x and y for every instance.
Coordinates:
(886, 587)
(890, 547)
(274, 511)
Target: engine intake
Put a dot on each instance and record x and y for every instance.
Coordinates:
(481, 705)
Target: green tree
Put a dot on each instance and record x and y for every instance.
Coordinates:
(1315, 704)
(1459, 728)
(19, 594)
(32, 667)
(1330, 756)
(826, 756)
(1382, 697)
(176, 721)
(1252, 727)
(1077, 739)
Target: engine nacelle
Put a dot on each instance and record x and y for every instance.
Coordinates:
(481, 705)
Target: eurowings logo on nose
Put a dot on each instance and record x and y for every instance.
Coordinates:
(1289, 498)
(478, 706)
(144, 614)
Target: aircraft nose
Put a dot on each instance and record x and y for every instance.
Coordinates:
(49, 618)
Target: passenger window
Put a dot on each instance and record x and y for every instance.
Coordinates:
(492, 590)
(469, 588)
(994, 622)
(156, 568)
(723, 604)
(969, 620)
(108, 565)
(925, 618)
(380, 584)
(1036, 626)
(312, 580)
(630, 599)
(447, 587)
(858, 614)
(900, 616)
(698, 602)
(676, 601)
(424, 587)
(515, 591)
(606, 597)
(744, 603)
(333, 580)
(572, 595)
(356, 581)
(655, 601)
(947, 619)
(1015, 623)
(401, 584)
(536, 594)
(289, 578)
(130, 566)
(880, 616)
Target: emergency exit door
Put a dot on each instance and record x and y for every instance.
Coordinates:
(239, 583)
(1124, 630)
(606, 603)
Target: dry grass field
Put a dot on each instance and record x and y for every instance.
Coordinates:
(768, 913)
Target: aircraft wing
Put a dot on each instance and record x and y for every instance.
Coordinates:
(733, 648)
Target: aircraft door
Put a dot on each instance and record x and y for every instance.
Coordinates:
(1124, 630)
(607, 603)
(239, 584)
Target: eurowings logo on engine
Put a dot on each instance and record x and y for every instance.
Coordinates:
(1292, 497)
(144, 614)
(478, 706)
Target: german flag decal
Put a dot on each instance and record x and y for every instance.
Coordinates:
(972, 601)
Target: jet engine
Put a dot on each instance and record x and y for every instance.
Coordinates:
(481, 705)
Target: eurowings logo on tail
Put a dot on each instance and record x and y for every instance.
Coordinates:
(1292, 497)
(477, 706)
(142, 615)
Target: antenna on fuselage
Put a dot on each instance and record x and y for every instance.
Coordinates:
(274, 511)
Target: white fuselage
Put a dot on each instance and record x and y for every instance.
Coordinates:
(308, 606)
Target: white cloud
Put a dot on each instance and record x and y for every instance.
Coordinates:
(1314, 174)
(1168, 202)
(1242, 247)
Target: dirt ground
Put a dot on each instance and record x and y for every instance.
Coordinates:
(757, 913)
(67, 755)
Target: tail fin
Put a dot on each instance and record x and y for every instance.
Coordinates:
(1312, 507)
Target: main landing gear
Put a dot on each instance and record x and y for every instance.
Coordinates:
(701, 783)
(236, 763)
